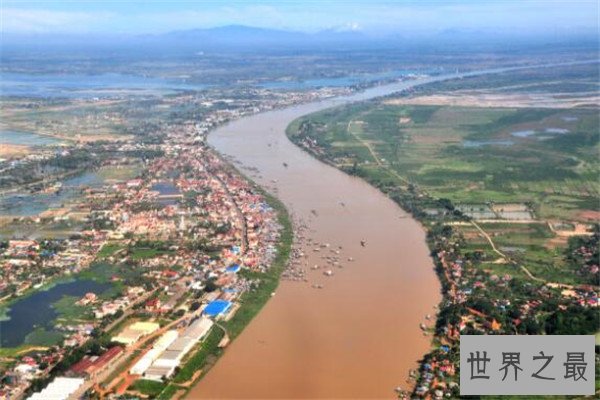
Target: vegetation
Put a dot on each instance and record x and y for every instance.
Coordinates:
(253, 301)
(450, 166)
(147, 387)
(473, 159)
(43, 337)
(204, 357)
(108, 250)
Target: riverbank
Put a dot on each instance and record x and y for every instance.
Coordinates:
(413, 202)
(251, 303)
(316, 314)
(485, 290)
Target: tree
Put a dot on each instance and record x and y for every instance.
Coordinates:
(446, 203)
(210, 286)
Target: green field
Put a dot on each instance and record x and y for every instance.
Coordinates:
(471, 155)
(147, 387)
(480, 159)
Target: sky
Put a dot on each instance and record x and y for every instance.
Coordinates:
(372, 17)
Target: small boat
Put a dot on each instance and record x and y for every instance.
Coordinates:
(285, 165)
(363, 243)
(328, 273)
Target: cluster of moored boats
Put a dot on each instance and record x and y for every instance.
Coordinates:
(331, 258)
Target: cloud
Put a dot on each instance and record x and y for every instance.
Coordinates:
(427, 16)
(16, 20)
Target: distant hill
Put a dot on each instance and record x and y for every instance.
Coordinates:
(247, 38)
(241, 35)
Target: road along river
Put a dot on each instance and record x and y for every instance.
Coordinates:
(359, 335)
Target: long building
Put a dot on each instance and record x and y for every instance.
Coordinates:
(90, 365)
(59, 389)
(158, 348)
(171, 357)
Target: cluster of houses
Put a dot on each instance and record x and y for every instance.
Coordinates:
(478, 301)
(212, 222)
(26, 264)
(215, 224)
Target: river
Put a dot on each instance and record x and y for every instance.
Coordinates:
(359, 335)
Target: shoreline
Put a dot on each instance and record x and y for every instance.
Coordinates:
(414, 200)
(272, 138)
(273, 274)
(410, 211)
(251, 304)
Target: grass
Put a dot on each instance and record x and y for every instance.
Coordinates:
(201, 358)
(42, 337)
(119, 173)
(429, 151)
(109, 249)
(148, 387)
(143, 253)
(168, 392)
(11, 352)
(70, 312)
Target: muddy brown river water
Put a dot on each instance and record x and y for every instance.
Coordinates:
(359, 336)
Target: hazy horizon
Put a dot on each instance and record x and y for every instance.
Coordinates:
(375, 19)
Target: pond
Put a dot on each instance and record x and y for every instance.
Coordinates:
(23, 204)
(481, 143)
(36, 311)
(558, 131)
(165, 188)
(340, 81)
(523, 134)
(86, 86)
(568, 118)
(168, 193)
(26, 138)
